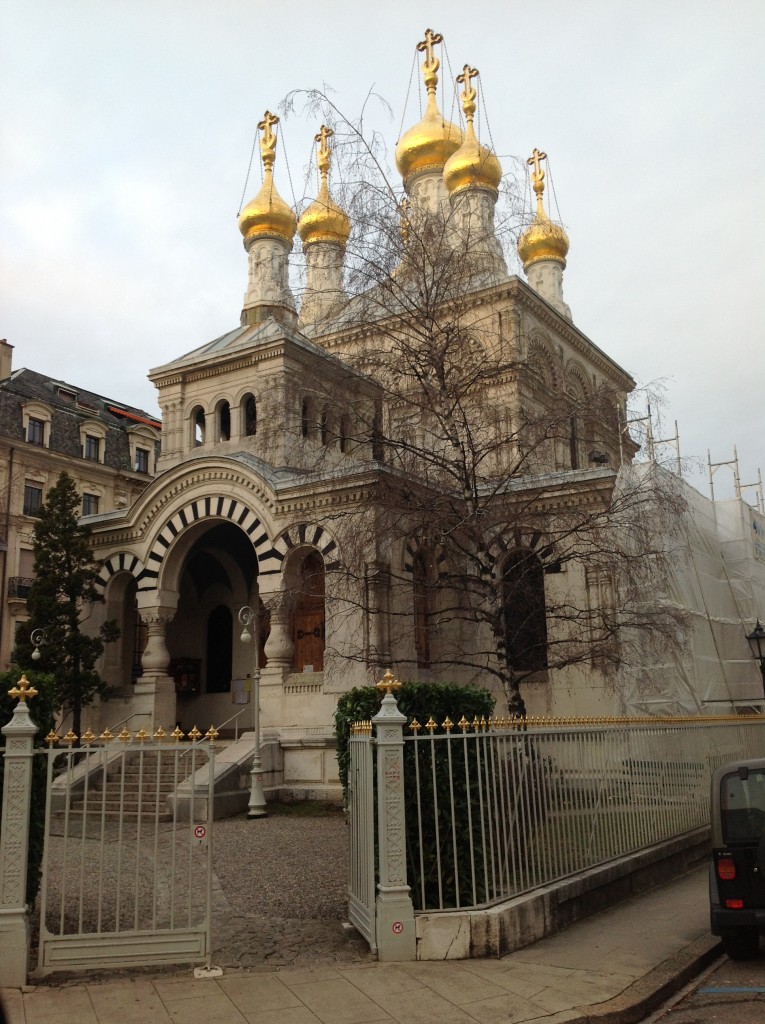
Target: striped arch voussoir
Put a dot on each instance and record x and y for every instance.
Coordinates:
(119, 563)
(416, 544)
(532, 541)
(196, 511)
(301, 535)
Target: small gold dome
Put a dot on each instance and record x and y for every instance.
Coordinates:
(324, 220)
(472, 165)
(267, 215)
(543, 239)
(429, 144)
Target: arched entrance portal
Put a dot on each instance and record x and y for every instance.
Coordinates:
(208, 662)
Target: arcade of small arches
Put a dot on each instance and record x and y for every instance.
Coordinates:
(182, 623)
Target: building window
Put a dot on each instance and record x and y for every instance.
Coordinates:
(141, 460)
(325, 432)
(305, 417)
(36, 431)
(89, 504)
(345, 433)
(198, 427)
(92, 448)
(224, 422)
(32, 499)
(573, 443)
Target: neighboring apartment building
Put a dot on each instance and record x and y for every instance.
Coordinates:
(48, 426)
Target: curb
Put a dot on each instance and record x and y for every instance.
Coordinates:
(648, 993)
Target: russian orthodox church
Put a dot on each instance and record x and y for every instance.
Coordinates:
(271, 439)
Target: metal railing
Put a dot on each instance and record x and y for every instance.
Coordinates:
(19, 586)
(503, 809)
(235, 718)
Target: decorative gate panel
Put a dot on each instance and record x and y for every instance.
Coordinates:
(361, 809)
(127, 869)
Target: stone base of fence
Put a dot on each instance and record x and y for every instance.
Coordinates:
(519, 922)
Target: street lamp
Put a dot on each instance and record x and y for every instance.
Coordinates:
(757, 643)
(257, 805)
(38, 637)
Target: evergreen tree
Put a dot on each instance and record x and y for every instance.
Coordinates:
(60, 599)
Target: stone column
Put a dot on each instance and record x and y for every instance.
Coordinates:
(14, 841)
(154, 693)
(396, 939)
(279, 647)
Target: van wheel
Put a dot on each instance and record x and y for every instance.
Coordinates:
(743, 944)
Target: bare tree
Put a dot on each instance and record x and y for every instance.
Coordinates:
(530, 543)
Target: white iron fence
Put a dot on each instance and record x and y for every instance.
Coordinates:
(494, 809)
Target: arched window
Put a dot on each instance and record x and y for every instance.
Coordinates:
(345, 433)
(523, 601)
(308, 623)
(573, 442)
(421, 602)
(198, 426)
(250, 416)
(224, 421)
(325, 431)
(306, 415)
(220, 627)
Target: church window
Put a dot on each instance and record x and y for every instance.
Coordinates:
(523, 600)
(345, 432)
(325, 427)
(308, 622)
(377, 439)
(421, 610)
(198, 426)
(573, 442)
(224, 421)
(306, 417)
(250, 416)
(142, 460)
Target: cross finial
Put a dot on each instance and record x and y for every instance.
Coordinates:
(432, 63)
(323, 160)
(426, 46)
(538, 176)
(22, 690)
(468, 92)
(268, 139)
(389, 683)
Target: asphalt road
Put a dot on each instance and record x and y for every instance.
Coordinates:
(729, 992)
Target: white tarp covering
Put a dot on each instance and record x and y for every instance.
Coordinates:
(719, 583)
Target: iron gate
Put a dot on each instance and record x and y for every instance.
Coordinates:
(127, 866)
(361, 812)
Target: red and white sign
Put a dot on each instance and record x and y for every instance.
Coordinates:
(397, 927)
(200, 832)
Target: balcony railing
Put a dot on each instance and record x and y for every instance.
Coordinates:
(18, 586)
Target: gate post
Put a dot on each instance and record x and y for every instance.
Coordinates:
(396, 939)
(14, 842)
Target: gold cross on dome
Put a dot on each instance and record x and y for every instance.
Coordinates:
(468, 92)
(265, 125)
(535, 159)
(324, 134)
(426, 46)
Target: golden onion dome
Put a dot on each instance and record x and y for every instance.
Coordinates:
(429, 144)
(543, 239)
(472, 165)
(267, 215)
(324, 220)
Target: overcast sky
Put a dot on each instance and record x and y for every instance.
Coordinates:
(126, 134)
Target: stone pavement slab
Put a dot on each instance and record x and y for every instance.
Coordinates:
(612, 968)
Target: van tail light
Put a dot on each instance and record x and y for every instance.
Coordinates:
(734, 904)
(726, 869)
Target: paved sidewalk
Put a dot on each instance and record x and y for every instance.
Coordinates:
(614, 968)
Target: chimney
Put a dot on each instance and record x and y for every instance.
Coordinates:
(6, 359)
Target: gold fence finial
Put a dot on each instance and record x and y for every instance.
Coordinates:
(23, 690)
(389, 683)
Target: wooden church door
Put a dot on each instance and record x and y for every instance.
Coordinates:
(308, 623)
